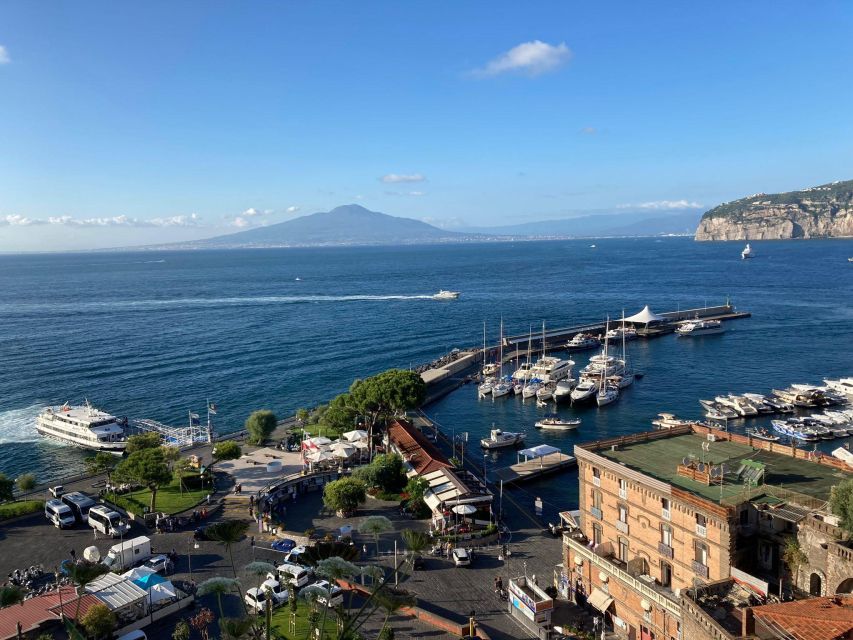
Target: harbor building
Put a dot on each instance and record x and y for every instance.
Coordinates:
(664, 512)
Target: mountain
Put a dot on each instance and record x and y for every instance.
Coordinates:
(634, 223)
(825, 211)
(347, 225)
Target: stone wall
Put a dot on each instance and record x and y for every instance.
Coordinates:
(829, 560)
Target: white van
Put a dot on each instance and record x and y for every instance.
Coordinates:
(107, 521)
(294, 574)
(80, 504)
(256, 598)
(59, 514)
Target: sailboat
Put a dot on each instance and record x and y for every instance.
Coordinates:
(746, 253)
(485, 387)
(606, 393)
(626, 378)
(534, 384)
(501, 387)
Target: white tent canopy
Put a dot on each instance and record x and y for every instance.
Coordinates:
(644, 317)
(162, 591)
(358, 434)
(538, 451)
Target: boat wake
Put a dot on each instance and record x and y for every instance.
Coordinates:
(19, 425)
(140, 305)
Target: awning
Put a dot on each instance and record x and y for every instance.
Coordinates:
(538, 451)
(644, 317)
(431, 500)
(600, 600)
(116, 592)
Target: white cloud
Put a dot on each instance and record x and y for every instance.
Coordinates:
(18, 221)
(530, 58)
(394, 178)
(589, 131)
(192, 220)
(292, 209)
(415, 194)
(445, 223)
(663, 205)
(240, 222)
(4, 55)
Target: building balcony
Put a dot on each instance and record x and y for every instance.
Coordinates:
(622, 526)
(665, 550)
(701, 531)
(644, 585)
(596, 513)
(700, 569)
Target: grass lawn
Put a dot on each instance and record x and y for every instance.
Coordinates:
(170, 499)
(281, 622)
(20, 508)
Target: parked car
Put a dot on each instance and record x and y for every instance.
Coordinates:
(57, 491)
(257, 598)
(294, 574)
(160, 563)
(334, 597)
(462, 557)
(284, 545)
(294, 555)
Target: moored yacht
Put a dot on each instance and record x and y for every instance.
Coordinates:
(554, 422)
(842, 385)
(530, 389)
(563, 390)
(584, 391)
(699, 328)
(550, 369)
(669, 421)
(582, 341)
(83, 426)
(545, 393)
(499, 439)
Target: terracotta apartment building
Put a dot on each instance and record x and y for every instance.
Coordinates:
(666, 511)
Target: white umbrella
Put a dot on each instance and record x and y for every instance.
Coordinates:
(464, 509)
(320, 456)
(342, 450)
(162, 591)
(91, 554)
(358, 434)
(317, 441)
(361, 444)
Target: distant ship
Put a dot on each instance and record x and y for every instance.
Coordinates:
(83, 426)
(746, 253)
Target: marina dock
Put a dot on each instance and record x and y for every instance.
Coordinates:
(534, 468)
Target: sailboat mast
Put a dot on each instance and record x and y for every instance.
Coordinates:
(604, 368)
(501, 352)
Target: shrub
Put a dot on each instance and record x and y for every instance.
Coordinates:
(20, 508)
(260, 425)
(26, 482)
(227, 450)
(99, 621)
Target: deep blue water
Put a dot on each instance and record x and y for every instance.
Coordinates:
(156, 334)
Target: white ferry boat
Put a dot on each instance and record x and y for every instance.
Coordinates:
(83, 426)
(700, 328)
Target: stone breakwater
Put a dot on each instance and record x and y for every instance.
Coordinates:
(779, 222)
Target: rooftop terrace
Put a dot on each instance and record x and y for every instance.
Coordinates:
(660, 457)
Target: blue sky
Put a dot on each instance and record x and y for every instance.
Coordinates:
(149, 122)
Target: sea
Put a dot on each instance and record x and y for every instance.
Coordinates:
(159, 334)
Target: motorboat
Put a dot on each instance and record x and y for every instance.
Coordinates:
(446, 295)
(83, 426)
(796, 398)
(563, 390)
(746, 253)
(582, 341)
(669, 421)
(498, 439)
(554, 422)
(523, 373)
(759, 402)
(779, 405)
(742, 406)
(551, 369)
(761, 433)
(697, 327)
(724, 412)
(620, 382)
(517, 387)
(491, 369)
(610, 365)
(842, 385)
(585, 390)
(545, 393)
(628, 333)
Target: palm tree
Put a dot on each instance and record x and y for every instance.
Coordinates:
(375, 526)
(228, 533)
(391, 601)
(416, 542)
(220, 586)
(334, 569)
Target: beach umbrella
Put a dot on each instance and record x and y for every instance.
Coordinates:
(360, 444)
(464, 509)
(358, 434)
(318, 441)
(341, 450)
(320, 456)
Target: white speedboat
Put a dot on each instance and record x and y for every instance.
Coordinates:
(83, 426)
(563, 390)
(700, 328)
(628, 333)
(620, 382)
(746, 253)
(582, 341)
(585, 390)
(610, 365)
(490, 369)
(523, 373)
(762, 434)
(499, 439)
(553, 422)
(446, 295)
(517, 388)
(842, 385)
(669, 421)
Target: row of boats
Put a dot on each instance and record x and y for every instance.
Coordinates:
(551, 378)
(747, 405)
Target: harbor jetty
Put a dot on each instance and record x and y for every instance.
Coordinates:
(538, 461)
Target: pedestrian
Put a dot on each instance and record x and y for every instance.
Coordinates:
(251, 513)
(252, 540)
(251, 500)
(73, 555)
(364, 551)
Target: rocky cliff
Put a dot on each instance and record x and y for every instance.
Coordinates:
(819, 212)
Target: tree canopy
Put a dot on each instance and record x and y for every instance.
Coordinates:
(148, 440)
(227, 450)
(344, 495)
(26, 481)
(148, 467)
(385, 472)
(260, 425)
(389, 392)
(7, 487)
(99, 621)
(841, 503)
(102, 462)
